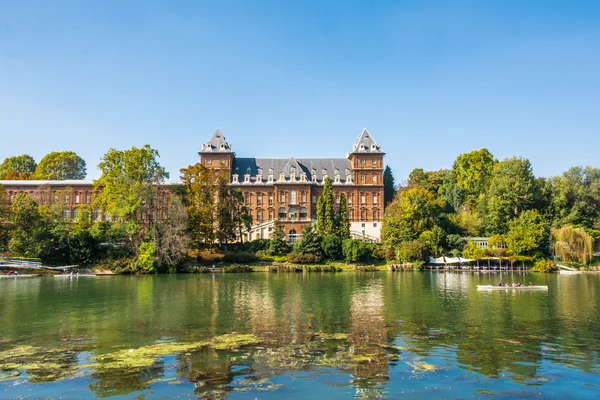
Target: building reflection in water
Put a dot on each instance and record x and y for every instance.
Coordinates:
(368, 336)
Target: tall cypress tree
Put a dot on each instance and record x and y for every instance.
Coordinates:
(389, 186)
(329, 220)
(320, 216)
(343, 221)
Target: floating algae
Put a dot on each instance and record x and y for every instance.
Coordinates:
(332, 336)
(422, 367)
(44, 365)
(146, 356)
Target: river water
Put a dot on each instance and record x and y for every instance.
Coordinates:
(311, 335)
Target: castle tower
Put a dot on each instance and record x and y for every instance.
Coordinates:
(216, 153)
(366, 160)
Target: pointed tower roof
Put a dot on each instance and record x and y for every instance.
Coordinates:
(216, 144)
(292, 163)
(366, 144)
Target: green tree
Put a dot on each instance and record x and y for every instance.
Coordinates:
(18, 167)
(332, 247)
(310, 242)
(343, 220)
(224, 213)
(434, 239)
(572, 244)
(326, 219)
(242, 219)
(29, 234)
(389, 186)
(200, 203)
(129, 191)
(576, 197)
(411, 213)
(355, 250)
(278, 246)
(472, 171)
(432, 181)
(511, 191)
(61, 165)
(527, 234)
(145, 260)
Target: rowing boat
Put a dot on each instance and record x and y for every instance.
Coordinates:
(75, 276)
(490, 287)
(17, 276)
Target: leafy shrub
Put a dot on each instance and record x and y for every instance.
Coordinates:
(238, 268)
(543, 266)
(332, 247)
(264, 255)
(355, 250)
(418, 265)
(242, 258)
(321, 268)
(145, 260)
(296, 258)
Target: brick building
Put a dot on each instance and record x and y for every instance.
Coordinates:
(286, 189)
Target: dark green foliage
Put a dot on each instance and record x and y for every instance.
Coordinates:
(343, 222)
(310, 243)
(389, 186)
(296, 258)
(277, 246)
(332, 247)
(237, 268)
(326, 219)
(242, 258)
(355, 250)
(413, 250)
(61, 165)
(225, 232)
(18, 167)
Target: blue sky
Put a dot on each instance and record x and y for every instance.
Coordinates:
(429, 79)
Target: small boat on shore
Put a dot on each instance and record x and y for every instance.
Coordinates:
(491, 287)
(75, 276)
(18, 276)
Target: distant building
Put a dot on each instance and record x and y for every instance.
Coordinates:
(287, 189)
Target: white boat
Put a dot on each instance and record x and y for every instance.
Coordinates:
(568, 272)
(16, 276)
(75, 276)
(524, 287)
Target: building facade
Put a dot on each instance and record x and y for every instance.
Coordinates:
(287, 189)
(274, 189)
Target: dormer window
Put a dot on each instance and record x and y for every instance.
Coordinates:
(373, 146)
(260, 171)
(293, 170)
(270, 179)
(235, 178)
(324, 173)
(303, 177)
(337, 179)
(248, 170)
(314, 178)
(247, 178)
(271, 171)
(282, 177)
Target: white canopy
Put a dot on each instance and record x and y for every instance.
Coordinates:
(449, 260)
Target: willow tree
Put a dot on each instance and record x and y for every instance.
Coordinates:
(573, 244)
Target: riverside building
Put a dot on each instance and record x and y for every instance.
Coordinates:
(274, 189)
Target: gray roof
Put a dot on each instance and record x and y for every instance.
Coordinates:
(216, 144)
(366, 144)
(71, 182)
(310, 166)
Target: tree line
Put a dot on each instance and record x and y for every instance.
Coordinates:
(57, 165)
(524, 216)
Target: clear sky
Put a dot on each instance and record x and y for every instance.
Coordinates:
(429, 79)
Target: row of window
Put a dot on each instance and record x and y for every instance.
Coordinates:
(293, 198)
(301, 214)
(362, 161)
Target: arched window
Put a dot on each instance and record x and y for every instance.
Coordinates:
(303, 213)
(292, 235)
(293, 213)
(282, 213)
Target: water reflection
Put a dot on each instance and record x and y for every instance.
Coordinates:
(371, 330)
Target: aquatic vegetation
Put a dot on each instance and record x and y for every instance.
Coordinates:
(332, 336)
(42, 364)
(422, 366)
(146, 356)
